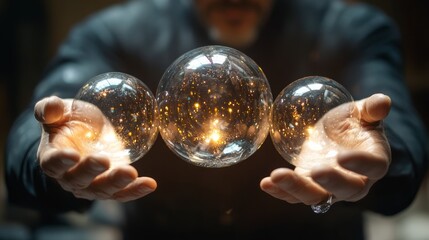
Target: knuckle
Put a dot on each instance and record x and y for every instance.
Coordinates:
(51, 173)
(76, 184)
(83, 195)
(100, 194)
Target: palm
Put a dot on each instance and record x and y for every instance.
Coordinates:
(341, 130)
(81, 151)
(87, 131)
(353, 156)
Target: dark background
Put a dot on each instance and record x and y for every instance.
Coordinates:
(31, 31)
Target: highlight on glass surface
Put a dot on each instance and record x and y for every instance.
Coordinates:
(128, 126)
(214, 106)
(295, 113)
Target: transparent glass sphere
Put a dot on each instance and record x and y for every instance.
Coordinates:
(214, 106)
(128, 125)
(295, 113)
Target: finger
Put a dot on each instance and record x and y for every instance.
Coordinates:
(116, 180)
(85, 111)
(140, 187)
(374, 167)
(298, 186)
(49, 110)
(55, 163)
(81, 176)
(341, 184)
(272, 189)
(374, 108)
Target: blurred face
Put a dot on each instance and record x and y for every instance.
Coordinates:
(233, 22)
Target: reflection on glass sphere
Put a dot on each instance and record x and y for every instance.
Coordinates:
(214, 106)
(295, 112)
(129, 126)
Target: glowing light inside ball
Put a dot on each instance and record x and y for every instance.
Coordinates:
(295, 114)
(128, 125)
(214, 106)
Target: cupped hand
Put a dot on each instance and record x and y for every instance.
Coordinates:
(79, 150)
(363, 159)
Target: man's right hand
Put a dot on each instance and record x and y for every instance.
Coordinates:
(64, 156)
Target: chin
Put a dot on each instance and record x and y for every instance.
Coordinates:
(236, 40)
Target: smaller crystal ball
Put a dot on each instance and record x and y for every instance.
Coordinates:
(295, 113)
(128, 127)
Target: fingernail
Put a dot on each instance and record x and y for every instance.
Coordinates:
(96, 166)
(145, 190)
(125, 180)
(67, 162)
(322, 180)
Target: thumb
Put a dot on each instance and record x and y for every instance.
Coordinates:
(49, 110)
(374, 108)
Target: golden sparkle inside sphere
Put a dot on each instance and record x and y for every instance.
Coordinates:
(128, 127)
(214, 106)
(297, 110)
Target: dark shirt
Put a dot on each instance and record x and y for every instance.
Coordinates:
(353, 44)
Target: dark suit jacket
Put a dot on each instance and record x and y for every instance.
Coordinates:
(353, 44)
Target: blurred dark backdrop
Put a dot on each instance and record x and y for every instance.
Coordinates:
(33, 29)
